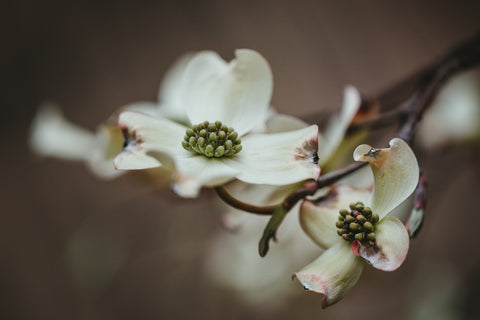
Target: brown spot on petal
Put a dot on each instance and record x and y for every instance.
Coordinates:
(372, 254)
(308, 151)
(372, 153)
(130, 138)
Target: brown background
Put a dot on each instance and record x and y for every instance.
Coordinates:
(74, 247)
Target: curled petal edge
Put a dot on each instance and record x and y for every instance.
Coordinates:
(396, 174)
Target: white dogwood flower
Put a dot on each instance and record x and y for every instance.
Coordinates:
(223, 102)
(353, 224)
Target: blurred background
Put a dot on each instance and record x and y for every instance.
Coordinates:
(75, 247)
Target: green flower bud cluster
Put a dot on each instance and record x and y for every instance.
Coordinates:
(357, 224)
(212, 139)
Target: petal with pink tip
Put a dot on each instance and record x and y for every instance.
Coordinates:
(332, 274)
(396, 174)
(391, 247)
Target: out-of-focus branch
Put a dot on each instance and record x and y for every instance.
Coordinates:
(429, 82)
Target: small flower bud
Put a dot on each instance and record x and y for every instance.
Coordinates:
(339, 224)
(349, 219)
(218, 124)
(368, 226)
(201, 142)
(228, 144)
(190, 132)
(361, 219)
(237, 148)
(375, 218)
(222, 135)
(209, 151)
(212, 127)
(352, 205)
(219, 151)
(371, 236)
(354, 226)
(360, 236)
(367, 211)
(233, 136)
(343, 212)
(203, 133)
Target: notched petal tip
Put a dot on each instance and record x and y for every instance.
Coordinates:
(307, 152)
(366, 153)
(396, 174)
(392, 243)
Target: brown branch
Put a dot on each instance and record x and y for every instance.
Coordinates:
(234, 202)
(464, 57)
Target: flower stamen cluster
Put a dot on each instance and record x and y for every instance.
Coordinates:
(357, 224)
(212, 139)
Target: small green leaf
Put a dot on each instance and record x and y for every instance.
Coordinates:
(273, 224)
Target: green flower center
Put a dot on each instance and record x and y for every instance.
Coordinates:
(357, 224)
(212, 139)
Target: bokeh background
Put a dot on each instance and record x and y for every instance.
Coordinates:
(75, 247)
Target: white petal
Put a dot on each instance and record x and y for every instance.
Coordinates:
(332, 274)
(109, 145)
(145, 107)
(396, 173)
(54, 136)
(144, 134)
(318, 219)
(196, 171)
(338, 126)
(171, 104)
(392, 242)
(277, 159)
(283, 123)
(191, 172)
(237, 93)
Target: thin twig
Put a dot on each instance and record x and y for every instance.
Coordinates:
(234, 202)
